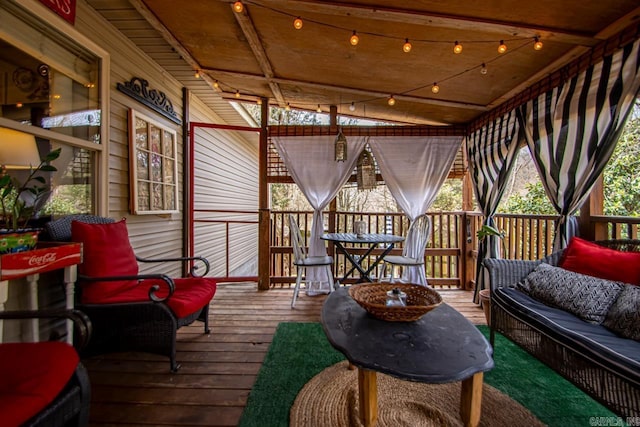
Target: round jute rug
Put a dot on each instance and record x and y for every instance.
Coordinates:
(330, 399)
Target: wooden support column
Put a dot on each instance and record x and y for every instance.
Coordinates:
(264, 218)
(466, 269)
(593, 205)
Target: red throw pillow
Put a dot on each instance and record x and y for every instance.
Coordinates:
(106, 251)
(582, 256)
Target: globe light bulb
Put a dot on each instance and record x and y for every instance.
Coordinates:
(297, 23)
(352, 107)
(354, 39)
(237, 94)
(259, 101)
(435, 88)
(502, 48)
(483, 68)
(406, 47)
(238, 7)
(318, 110)
(197, 74)
(457, 48)
(537, 44)
(391, 101)
(216, 84)
(288, 107)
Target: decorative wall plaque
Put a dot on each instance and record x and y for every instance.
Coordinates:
(138, 89)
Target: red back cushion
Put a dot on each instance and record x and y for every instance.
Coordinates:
(33, 374)
(582, 256)
(106, 251)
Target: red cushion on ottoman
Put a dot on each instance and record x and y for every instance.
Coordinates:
(191, 294)
(106, 252)
(32, 375)
(582, 256)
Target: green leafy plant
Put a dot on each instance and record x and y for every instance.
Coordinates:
(15, 211)
(487, 230)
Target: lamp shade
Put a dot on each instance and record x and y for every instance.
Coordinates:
(18, 150)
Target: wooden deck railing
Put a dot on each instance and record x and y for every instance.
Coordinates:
(450, 257)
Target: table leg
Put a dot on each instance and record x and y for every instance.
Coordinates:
(378, 259)
(70, 277)
(32, 280)
(368, 397)
(471, 400)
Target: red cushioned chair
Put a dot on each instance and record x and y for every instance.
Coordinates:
(131, 311)
(44, 383)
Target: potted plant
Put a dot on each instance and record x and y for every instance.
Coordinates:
(15, 236)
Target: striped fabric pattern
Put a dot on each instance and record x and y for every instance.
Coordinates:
(572, 130)
(492, 151)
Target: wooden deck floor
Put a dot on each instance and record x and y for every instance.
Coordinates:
(218, 370)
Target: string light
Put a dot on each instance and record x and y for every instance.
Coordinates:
(352, 107)
(297, 23)
(435, 88)
(288, 107)
(502, 48)
(457, 48)
(216, 84)
(259, 101)
(354, 39)
(483, 69)
(237, 94)
(406, 47)
(391, 101)
(537, 44)
(238, 7)
(197, 74)
(319, 110)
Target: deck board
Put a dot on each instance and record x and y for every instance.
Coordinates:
(218, 370)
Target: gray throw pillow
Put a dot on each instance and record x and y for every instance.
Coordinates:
(584, 296)
(623, 317)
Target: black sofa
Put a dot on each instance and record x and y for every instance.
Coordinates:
(604, 364)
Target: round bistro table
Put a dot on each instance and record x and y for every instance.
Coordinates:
(441, 347)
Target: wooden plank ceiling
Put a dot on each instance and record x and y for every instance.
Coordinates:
(259, 53)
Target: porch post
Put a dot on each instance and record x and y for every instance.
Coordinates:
(264, 218)
(593, 205)
(467, 268)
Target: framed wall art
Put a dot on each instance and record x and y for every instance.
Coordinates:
(153, 166)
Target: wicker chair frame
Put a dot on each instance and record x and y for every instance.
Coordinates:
(602, 382)
(149, 326)
(71, 406)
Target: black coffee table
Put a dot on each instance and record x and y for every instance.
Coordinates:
(441, 347)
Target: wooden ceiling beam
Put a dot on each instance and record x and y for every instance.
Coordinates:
(434, 19)
(342, 89)
(616, 27)
(249, 31)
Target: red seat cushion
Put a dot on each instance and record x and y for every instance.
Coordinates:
(106, 251)
(31, 376)
(582, 256)
(191, 294)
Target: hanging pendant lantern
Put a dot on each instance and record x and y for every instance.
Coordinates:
(340, 147)
(366, 171)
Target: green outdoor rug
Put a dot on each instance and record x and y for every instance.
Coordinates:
(300, 351)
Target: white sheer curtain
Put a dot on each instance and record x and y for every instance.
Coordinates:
(310, 162)
(414, 169)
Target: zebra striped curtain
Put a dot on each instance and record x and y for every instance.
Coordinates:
(572, 130)
(492, 151)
